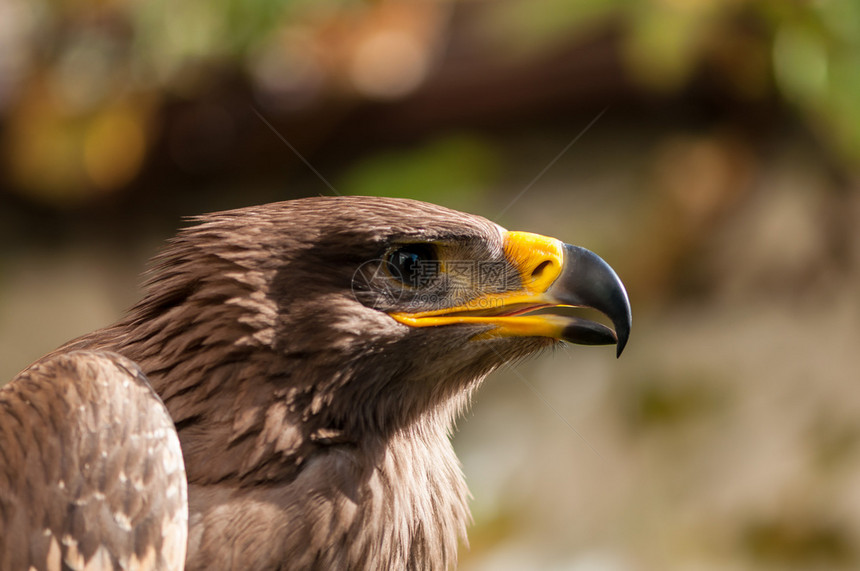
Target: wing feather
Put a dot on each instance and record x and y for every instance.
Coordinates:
(91, 472)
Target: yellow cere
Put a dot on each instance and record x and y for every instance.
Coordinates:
(538, 258)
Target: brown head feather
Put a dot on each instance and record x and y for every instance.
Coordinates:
(314, 426)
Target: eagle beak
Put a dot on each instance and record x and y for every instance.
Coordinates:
(587, 281)
(552, 275)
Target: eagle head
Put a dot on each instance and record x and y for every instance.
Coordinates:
(314, 353)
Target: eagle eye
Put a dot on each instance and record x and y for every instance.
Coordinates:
(415, 265)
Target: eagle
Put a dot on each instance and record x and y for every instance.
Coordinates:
(283, 395)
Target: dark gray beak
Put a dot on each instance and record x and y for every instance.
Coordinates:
(587, 281)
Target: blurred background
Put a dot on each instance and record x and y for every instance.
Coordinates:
(707, 149)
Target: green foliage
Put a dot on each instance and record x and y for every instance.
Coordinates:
(67, 63)
(658, 402)
(810, 50)
(454, 171)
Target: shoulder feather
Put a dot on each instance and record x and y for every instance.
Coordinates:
(91, 472)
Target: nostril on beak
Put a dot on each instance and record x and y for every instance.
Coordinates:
(537, 259)
(539, 269)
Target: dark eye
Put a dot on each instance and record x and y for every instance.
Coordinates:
(413, 264)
